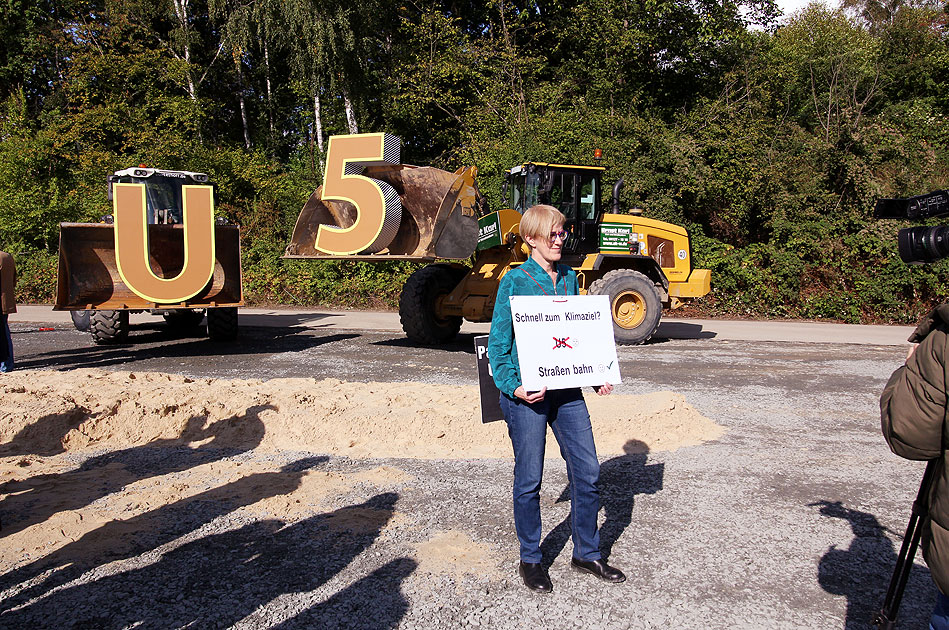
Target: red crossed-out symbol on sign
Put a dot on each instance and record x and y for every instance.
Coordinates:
(561, 343)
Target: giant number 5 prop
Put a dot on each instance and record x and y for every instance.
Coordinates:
(378, 208)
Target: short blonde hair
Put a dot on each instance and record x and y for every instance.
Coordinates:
(538, 220)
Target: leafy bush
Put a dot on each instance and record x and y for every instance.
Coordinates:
(36, 276)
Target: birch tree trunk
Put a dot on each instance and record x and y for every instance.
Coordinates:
(518, 80)
(181, 12)
(317, 122)
(350, 114)
(267, 81)
(240, 97)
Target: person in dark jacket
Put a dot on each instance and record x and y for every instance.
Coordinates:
(915, 419)
(7, 306)
(528, 414)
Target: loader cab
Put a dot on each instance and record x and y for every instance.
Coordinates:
(163, 200)
(574, 190)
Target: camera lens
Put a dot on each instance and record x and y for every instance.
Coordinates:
(923, 244)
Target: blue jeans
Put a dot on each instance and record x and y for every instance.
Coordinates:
(566, 413)
(6, 346)
(940, 618)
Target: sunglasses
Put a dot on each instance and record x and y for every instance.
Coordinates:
(562, 235)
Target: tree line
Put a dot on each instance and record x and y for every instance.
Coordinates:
(768, 137)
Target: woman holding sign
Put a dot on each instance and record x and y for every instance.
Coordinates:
(528, 414)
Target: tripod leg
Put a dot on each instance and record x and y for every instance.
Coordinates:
(886, 618)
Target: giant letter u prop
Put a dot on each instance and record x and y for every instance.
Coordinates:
(131, 244)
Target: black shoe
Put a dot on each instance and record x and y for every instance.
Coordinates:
(535, 578)
(600, 569)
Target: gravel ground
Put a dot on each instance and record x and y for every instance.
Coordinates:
(791, 520)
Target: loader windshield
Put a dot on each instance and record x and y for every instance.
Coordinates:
(523, 190)
(575, 191)
(162, 197)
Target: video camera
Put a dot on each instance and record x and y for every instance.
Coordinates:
(919, 244)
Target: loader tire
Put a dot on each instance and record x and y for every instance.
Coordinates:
(183, 319)
(417, 305)
(109, 326)
(634, 305)
(80, 319)
(222, 323)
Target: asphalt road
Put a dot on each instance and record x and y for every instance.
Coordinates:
(367, 345)
(791, 520)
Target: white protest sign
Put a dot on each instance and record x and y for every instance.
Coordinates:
(564, 341)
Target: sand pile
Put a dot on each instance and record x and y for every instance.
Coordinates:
(124, 498)
(47, 412)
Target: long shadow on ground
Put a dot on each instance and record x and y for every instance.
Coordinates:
(372, 603)
(121, 539)
(862, 572)
(34, 499)
(160, 344)
(621, 479)
(463, 343)
(220, 579)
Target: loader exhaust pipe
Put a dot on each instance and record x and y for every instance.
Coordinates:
(616, 189)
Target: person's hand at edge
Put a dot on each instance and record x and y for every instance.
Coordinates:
(530, 399)
(604, 390)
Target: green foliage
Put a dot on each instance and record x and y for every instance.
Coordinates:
(770, 145)
(33, 198)
(829, 71)
(35, 276)
(341, 284)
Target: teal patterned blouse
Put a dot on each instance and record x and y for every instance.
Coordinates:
(527, 279)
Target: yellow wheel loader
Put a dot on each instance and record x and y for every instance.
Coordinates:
(90, 284)
(642, 264)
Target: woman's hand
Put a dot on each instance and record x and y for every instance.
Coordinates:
(530, 399)
(604, 390)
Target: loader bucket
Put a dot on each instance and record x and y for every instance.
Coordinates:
(439, 215)
(88, 277)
